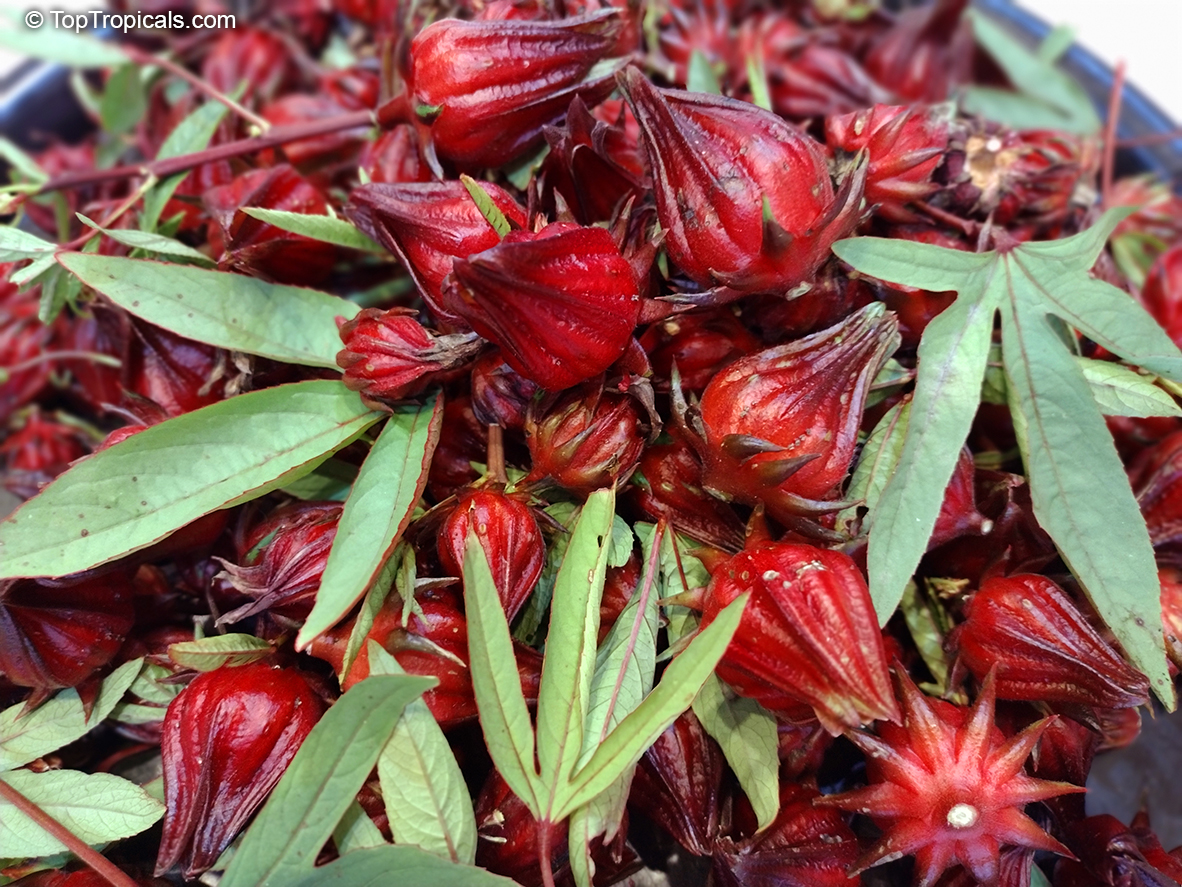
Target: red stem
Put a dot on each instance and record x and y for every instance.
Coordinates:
(544, 861)
(146, 58)
(113, 875)
(275, 137)
(1114, 100)
(496, 454)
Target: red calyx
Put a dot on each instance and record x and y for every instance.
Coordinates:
(561, 304)
(1042, 648)
(808, 634)
(226, 741)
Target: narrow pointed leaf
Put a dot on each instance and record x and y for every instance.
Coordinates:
(190, 135)
(356, 831)
(367, 614)
(952, 357)
(1118, 391)
(700, 77)
(97, 807)
(504, 718)
(324, 228)
(146, 240)
(680, 683)
(1080, 492)
(217, 650)
(748, 735)
(26, 736)
(287, 323)
(918, 264)
(141, 489)
(427, 801)
(16, 244)
(402, 865)
(567, 670)
(282, 844)
(877, 463)
(377, 511)
(491, 212)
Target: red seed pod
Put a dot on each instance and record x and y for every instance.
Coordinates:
(38, 451)
(958, 512)
(1171, 611)
(781, 425)
(322, 155)
(772, 224)
(227, 739)
(704, 27)
(389, 356)
(927, 52)
(700, 344)
(257, 246)
(510, 834)
(1042, 648)
(251, 56)
(500, 394)
(808, 634)
(590, 439)
(1162, 293)
(816, 80)
(1014, 870)
(678, 784)
(1065, 754)
(1156, 477)
(58, 632)
(905, 145)
(393, 157)
(22, 337)
(508, 533)
(834, 296)
(668, 484)
(428, 225)
(1159, 215)
(486, 89)
(619, 584)
(805, 846)
(561, 304)
(948, 787)
(463, 439)
(1110, 853)
(284, 575)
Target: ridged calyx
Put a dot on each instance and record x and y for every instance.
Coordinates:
(948, 787)
(808, 634)
(1042, 648)
(227, 739)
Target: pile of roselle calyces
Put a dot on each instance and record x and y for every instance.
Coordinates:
(682, 442)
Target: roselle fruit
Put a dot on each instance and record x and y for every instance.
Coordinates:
(1162, 293)
(958, 512)
(22, 337)
(699, 344)
(561, 304)
(904, 144)
(1110, 853)
(226, 741)
(948, 787)
(487, 88)
(177, 373)
(428, 225)
(1042, 648)
(506, 529)
(500, 395)
(808, 634)
(284, 575)
(57, 632)
(744, 198)
(389, 356)
(39, 450)
(780, 426)
(589, 439)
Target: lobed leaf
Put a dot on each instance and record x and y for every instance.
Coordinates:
(377, 511)
(427, 800)
(136, 492)
(281, 845)
(504, 718)
(232, 311)
(920, 265)
(328, 229)
(97, 807)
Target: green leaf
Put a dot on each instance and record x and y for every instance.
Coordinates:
(26, 736)
(189, 136)
(58, 289)
(426, 798)
(138, 491)
(58, 45)
(97, 807)
(878, 462)
(701, 77)
(757, 78)
(148, 685)
(16, 244)
(937, 269)
(565, 688)
(327, 229)
(331, 481)
(682, 680)
(508, 731)
(748, 735)
(402, 865)
(217, 650)
(1046, 97)
(323, 779)
(22, 163)
(124, 101)
(377, 511)
(371, 605)
(232, 311)
(1119, 391)
(145, 240)
(529, 622)
(356, 831)
(491, 212)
